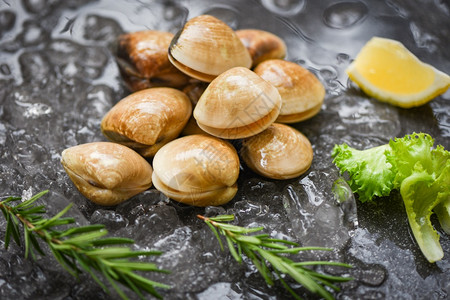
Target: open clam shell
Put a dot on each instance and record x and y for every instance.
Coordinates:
(301, 92)
(107, 173)
(198, 170)
(279, 152)
(237, 104)
(143, 62)
(147, 119)
(206, 47)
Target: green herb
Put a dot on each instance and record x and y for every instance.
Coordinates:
(419, 171)
(267, 255)
(79, 248)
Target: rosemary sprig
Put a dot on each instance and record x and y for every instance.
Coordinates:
(266, 255)
(79, 248)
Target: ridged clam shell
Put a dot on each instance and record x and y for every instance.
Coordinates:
(279, 152)
(143, 62)
(301, 92)
(206, 47)
(107, 173)
(237, 104)
(262, 45)
(147, 119)
(198, 170)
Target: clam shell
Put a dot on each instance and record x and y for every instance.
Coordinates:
(147, 119)
(143, 62)
(301, 92)
(198, 170)
(262, 45)
(237, 104)
(107, 173)
(206, 47)
(279, 152)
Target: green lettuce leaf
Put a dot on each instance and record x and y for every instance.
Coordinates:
(406, 152)
(410, 164)
(421, 193)
(442, 211)
(370, 174)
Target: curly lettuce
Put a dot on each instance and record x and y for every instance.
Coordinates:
(411, 165)
(370, 174)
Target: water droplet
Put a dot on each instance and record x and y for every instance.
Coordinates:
(344, 14)
(32, 34)
(95, 57)
(34, 6)
(35, 66)
(7, 20)
(101, 29)
(328, 73)
(5, 70)
(61, 51)
(285, 8)
(342, 58)
(176, 14)
(225, 13)
(173, 12)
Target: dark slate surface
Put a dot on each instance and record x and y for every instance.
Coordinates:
(58, 78)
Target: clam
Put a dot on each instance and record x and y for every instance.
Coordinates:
(107, 173)
(198, 170)
(237, 104)
(279, 152)
(143, 62)
(206, 47)
(147, 119)
(262, 45)
(302, 93)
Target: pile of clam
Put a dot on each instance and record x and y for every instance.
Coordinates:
(208, 84)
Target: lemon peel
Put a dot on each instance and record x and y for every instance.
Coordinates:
(386, 70)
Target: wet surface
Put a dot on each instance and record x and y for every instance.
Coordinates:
(58, 78)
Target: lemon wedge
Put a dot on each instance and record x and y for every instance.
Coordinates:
(386, 70)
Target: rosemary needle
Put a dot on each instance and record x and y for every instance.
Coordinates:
(266, 254)
(79, 248)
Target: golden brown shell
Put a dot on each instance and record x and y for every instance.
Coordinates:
(301, 92)
(237, 104)
(143, 62)
(107, 173)
(198, 170)
(262, 45)
(206, 47)
(147, 119)
(279, 152)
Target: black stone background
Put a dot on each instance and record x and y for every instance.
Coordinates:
(58, 78)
